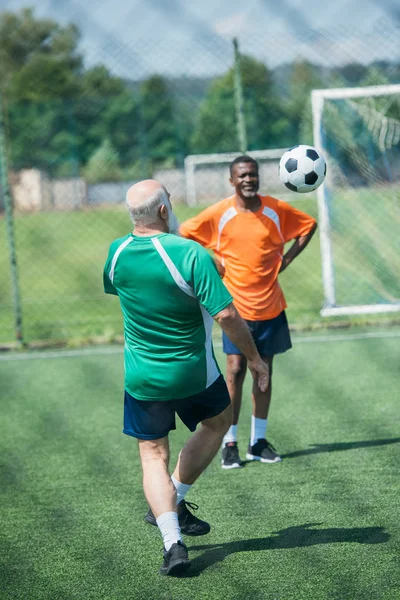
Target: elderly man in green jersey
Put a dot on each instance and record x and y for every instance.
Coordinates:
(170, 293)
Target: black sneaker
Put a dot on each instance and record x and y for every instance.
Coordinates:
(189, 524)
(264, 452)
(230, 456)
(176, 560)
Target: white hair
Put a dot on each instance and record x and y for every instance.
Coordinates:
(147, 212)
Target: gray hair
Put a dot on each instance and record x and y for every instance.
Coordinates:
(147, 212)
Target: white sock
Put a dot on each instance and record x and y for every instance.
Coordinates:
(258, 429)
(168, 524)
(231, 435)
(181, 489)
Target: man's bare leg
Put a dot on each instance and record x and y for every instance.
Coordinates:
(262, 400)
(236, 367)
(157, 485)
(201, 448)
(161, 495)
(262, 451)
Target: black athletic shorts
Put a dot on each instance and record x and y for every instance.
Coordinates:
(150, 420)
(270, 337)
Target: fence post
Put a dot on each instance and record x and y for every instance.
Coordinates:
(4, 182)
(239, 102)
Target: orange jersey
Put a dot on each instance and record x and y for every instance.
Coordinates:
(250, 246)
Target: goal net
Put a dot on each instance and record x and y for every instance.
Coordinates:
(358, 132)
(207, 175)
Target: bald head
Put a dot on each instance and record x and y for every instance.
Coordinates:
(144, 200)
(142, 191)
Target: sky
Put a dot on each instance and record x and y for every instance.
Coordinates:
(184, 37)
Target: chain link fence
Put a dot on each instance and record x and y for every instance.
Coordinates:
(78, 137)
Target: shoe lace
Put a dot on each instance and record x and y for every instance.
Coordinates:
(191, 505)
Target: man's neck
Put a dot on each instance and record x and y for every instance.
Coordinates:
(247, 204)
(141, 231)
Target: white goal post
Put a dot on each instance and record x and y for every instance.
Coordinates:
(224, 158)
(318, 98)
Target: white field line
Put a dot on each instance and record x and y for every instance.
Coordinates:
(119, 350)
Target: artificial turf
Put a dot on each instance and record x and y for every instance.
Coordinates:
(321, 525)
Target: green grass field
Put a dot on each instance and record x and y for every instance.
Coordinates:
(61, 257)
(321, 525)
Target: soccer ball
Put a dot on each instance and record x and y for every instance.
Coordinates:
(302, 169)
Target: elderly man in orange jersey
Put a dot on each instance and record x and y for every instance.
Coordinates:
(247, 233)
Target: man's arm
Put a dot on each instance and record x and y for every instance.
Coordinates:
(236, 329)
(216, 299)
(298, 246)
(219, 265)
(202, 229)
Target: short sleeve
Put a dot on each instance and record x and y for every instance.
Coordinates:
(294, 223)
(201, 228)
(207, 284)
(108, 286)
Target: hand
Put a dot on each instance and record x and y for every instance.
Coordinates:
(220, 267)
(260, 371)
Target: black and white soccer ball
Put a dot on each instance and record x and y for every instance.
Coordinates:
(302, 169)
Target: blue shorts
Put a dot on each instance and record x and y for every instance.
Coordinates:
(151, 420)
(271, 337)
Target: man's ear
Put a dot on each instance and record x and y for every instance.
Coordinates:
(164, 212)
(231, 182)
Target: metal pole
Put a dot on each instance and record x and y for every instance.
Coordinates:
(239, 102)
(5, 186)
(328, 269)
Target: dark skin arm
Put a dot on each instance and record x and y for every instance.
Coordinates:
(299, 244)
(219, 265)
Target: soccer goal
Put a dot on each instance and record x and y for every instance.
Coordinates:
(207, 175)
(358, 132)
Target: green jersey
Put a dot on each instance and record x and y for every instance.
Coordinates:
(169, 289)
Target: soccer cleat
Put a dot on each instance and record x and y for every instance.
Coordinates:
(263, 451)
(176, 560)
(230, 456)
(189, 524)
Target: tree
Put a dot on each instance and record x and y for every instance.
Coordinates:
(99, 93)
(58, 113)
(103, 165)
(265, 120)
(41, 67)
(158, 139)
(39, 58)
(122, 121)
(303, 79)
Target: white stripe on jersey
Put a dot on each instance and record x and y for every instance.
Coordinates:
(225, 218)
(212, 369)
(271, 214)
(115, 257)
(177, 277)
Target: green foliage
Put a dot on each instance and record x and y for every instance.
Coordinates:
(92, 112)
(103, 165)
(58, 113)
(39, 58)
(265, 119)
(303, 79)
(159, 139)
